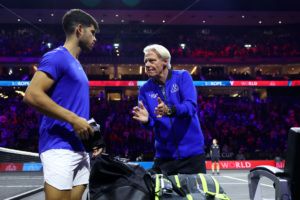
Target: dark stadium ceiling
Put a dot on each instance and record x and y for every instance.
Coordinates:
(168, 12)
(222, 5)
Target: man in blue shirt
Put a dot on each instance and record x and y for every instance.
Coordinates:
(168, 104)
(60, 91)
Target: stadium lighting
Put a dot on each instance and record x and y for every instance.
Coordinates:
(49, 45)
(34, 67)
(10, 71)
(182, 45)
(235, 95)
(3, 96)
(141, 69)
(194, 69)
(247, 46)
(20, 92)
(116, 45)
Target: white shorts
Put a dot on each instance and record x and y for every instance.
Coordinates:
(64, 169)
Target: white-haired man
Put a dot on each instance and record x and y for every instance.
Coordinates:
(168, 104)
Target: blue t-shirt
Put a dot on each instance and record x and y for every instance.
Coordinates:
(71, 91)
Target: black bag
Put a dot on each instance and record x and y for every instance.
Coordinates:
(111, 179)
(188, 187)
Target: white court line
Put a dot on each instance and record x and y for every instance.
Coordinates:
(18, 177)
(19, 186)
(19, 196)
(229, 183)
(238, 179)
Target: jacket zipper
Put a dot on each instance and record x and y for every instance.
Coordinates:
(163, 90)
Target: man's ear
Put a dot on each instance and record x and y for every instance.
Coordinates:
(165, 63)
(78, 30)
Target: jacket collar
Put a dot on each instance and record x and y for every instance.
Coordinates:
(168, 78)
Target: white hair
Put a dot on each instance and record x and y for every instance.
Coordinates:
(162, 52)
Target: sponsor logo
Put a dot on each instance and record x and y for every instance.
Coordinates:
(32, 167)
(214, 83)
(175, 88)
(131, 83)
(236, 165)
(11, 167)
(153, 95)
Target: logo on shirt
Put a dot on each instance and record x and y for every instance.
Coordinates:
(153, 95)
(175, 88)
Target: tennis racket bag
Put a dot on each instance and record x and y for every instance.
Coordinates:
(112, 179)
(188, 187)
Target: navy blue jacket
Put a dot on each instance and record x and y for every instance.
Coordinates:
(177, 136)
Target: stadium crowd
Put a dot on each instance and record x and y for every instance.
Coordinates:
(187, 42)
(246, 128)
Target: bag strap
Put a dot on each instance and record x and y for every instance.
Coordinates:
(157, 186)
(215, 194)
(222, 197)
(217, 185)
(188, 196)
(149, 184)
(175, 187)
(205, 187)
(204, 184)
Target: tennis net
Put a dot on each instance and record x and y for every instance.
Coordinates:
(16, 156)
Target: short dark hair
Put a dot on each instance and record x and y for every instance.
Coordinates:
(77, 16)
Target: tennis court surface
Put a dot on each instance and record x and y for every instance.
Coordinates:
(234, 182)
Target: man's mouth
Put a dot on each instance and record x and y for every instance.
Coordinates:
(150, 70)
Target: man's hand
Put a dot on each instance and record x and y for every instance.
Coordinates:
(161, 109)
(82, 128)
(140, 113)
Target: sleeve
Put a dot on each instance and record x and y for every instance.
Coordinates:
(50, 66)
(188, 105)
(151, 122)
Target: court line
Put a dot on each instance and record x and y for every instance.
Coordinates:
(18, 177)
(19, 186)
(246, 181)
(230, 183)
(25, 194)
